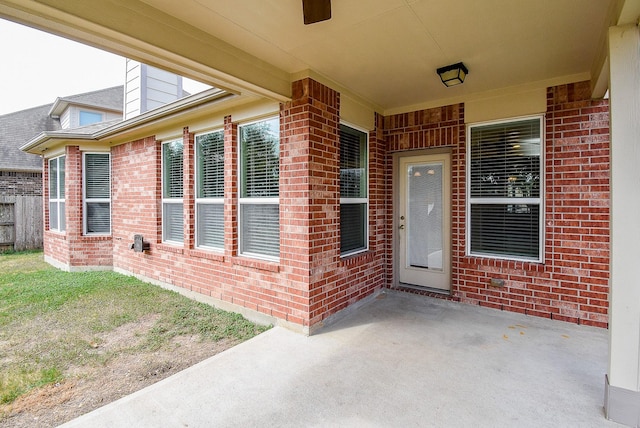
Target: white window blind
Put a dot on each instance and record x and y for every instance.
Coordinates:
(53, 178)
(505, 191)
(354, 200)
(210, 190)
(259, 189)
(425, 243)
(97, 193)
(261, 229)
(210, 225)
(260, 159)
(172, 192)
(57, 218)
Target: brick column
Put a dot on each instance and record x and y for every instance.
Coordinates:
(73, 193)
(230, 187)
(45, 194)
(310, 190)
(188, 195)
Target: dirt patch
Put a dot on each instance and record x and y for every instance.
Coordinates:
(124, 372)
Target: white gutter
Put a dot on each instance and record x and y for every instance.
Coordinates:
(213, 94)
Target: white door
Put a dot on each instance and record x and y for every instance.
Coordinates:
(424, 221)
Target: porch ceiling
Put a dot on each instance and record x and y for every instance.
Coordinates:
(384, 52)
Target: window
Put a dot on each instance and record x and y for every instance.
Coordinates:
(89, 117)
(259, 189)
(505, 191)
(97, 193)
(172, 182)
(210, 190)
(57, 219)
(354, 201)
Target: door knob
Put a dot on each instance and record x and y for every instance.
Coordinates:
(401, 227)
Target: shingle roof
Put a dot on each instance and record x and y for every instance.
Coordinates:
(104, 99)
(19, 127)
(87, 130)
(109, 98)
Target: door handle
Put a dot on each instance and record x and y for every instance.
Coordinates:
(401, 227)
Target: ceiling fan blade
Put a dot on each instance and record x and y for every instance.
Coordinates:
(316, 11)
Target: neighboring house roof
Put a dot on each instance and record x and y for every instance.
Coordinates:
(41, 142)
(19, 127)
(103, 99)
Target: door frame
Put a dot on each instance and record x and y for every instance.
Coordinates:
(395, 223)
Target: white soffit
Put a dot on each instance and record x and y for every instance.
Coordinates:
(384, 52)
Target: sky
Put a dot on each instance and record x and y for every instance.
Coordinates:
(38, 67)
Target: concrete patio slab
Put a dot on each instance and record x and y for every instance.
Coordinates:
(400, 360)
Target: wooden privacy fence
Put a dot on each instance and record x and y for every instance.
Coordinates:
(20, 223)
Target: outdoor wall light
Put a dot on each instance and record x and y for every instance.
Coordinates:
(453, 74)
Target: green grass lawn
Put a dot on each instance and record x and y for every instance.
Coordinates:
(52, 320)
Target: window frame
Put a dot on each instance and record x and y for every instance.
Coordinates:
(245, 201)
(539, 201)
(171, 200)
(199, 201)
(86, 201)
(60, 202)
(357, 201)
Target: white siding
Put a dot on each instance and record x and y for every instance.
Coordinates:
(148, 87)
(112, 116)
(65, 119)
(132, 89)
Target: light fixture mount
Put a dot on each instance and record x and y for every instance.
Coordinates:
(453, 74)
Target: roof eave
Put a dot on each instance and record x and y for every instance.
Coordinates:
(59, 105)
(36, 144)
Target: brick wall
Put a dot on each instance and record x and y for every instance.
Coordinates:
(311, 281)
(72, 248)
(312, 121)
(577, 206)
(278, 289)
(136, 203)
(20, 183)
(572, 283)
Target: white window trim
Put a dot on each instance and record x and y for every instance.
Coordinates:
(204, 201)
(169, 200)
(86, 200)
(364, 201)
(252, 201)
(57, 200)
(529, 201)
